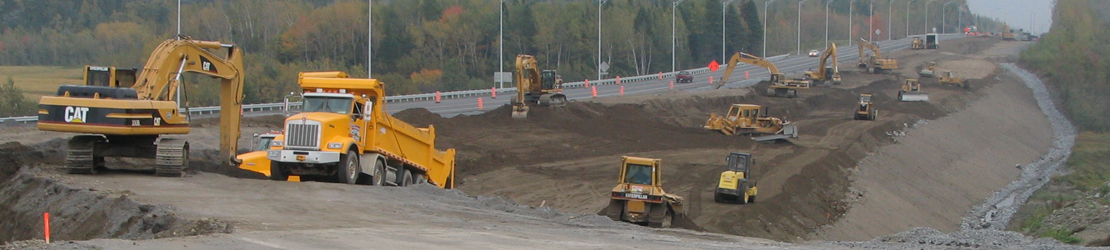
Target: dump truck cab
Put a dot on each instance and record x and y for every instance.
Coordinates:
(736, 183)
(639, 196)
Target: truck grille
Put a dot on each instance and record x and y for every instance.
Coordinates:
(302, 136)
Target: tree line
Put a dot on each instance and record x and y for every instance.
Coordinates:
(418, 46)
(1072, 58)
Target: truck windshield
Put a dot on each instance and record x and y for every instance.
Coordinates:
(339, 105)
(263, 143)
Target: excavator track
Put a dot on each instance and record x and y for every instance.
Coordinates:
(81, 156)
(172, 157)
(553, 100)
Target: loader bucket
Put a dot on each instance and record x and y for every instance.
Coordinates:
(913, 97)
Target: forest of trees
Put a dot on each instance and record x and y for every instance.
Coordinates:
(1072, 57)
(420, 46)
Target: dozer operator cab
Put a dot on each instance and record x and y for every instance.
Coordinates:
(745, 112)
(639, 174)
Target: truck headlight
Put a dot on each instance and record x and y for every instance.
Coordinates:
(276, 143)
(335, 145)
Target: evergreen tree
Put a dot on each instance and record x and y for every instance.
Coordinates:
(12, 102)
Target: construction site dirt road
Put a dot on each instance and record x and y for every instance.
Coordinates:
(540, 182)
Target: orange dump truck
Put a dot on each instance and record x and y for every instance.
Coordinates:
(345, 134)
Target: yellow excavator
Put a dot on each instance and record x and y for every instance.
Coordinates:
(875, 63)
(534, 87)
(779, 87)
(118, 117)
(826, 73)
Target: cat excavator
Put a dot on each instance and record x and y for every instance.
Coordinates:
(115, 120)
(534, 87)
(779, 87)
(826, 73)
(875, 63)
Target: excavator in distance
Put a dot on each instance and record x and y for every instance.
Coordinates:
(875, 63)
(121, 118)
(826, 74)
(534, 87)
(779, 87)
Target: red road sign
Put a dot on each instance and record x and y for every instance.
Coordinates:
(713, 66)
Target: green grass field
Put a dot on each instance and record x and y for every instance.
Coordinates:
(36, 81)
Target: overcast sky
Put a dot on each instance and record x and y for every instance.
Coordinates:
(1032, 15)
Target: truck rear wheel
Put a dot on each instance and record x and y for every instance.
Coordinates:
(379, 174)
(348, 171)
(406, 179)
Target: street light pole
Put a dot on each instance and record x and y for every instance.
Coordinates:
(500, 41)
(889, 17)
(851, 3)
(800, 26)
(370, 39)
(674, 6)
(765, 16)
(927, 15)
(943, 20)
(599, 3)
(870, 21)
(908, 17)
(960, 16)
(827, 23)
(724, 5)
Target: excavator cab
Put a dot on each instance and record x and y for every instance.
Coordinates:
(110, 76)
(736, 184)
(549, 79)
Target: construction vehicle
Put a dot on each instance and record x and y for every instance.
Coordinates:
(932, 41)
(1007, 33)
(535, 87)
(948, 79)
(736, 183)
(121, 114)
(911, 92)
(865, 110)
(779, 85)
(256, 160)
(639, 197)
(751, 119)
(344, 133)
(917, 43)
(928, 71)
(826, 73)
(875, 63)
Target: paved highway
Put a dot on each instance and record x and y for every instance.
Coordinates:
(791, 65)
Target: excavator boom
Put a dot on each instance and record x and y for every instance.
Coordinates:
(749, 59)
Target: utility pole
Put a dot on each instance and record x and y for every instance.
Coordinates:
(927, 15)
(870, 21)
(599, 3)
(827, 23)
(500, 42)
(674, 5)
(724, 6)
(889, 17)
(851, 3)
(370, 39)
(908, 17)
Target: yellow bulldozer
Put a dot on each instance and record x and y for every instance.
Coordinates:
(911, 92)
(736, 183)
(948, 79)
(826, 73)
(917, 43)
(865, 108)
(751, 119)
(639, 197)
(928, 70)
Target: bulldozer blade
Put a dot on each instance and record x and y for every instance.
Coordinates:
(925, 73)
(790, 130)
(914, 97)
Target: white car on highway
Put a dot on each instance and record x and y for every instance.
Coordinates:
(814, 53)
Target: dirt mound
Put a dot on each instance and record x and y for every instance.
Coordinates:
(77, 214)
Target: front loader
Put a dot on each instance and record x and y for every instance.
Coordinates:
(736, 184)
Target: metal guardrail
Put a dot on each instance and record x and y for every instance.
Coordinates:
(420, 97)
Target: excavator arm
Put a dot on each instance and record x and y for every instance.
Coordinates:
(160, 78)
(749, 59)
(870, 46)
(829, 53)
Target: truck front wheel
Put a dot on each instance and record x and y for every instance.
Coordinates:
(276, 173)
(348, 171)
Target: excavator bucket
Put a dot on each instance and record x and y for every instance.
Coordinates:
(520, 111)
(913, 96)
